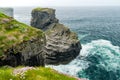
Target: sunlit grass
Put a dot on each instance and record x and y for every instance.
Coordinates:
(13, 32)
(39, 73)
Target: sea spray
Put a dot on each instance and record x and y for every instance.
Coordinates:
(98, 60)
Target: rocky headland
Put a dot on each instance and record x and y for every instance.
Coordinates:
(46, 42)
(62, 45)
(20, 44)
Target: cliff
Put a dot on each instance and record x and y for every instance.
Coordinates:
(20, 44)
(62, 44)
(24, 45)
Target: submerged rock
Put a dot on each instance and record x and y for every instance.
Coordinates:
(62, 44)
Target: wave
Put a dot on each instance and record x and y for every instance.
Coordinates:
(98, 60)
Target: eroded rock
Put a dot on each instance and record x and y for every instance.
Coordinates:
(42, 17)
(29, 53)
(20, 44)
(62, 44)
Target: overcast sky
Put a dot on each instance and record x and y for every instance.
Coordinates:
(11, 3)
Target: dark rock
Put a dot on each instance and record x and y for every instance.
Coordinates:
(29, 53)
(20, 44)
(62, 44)
(57, 45)
(42, 17)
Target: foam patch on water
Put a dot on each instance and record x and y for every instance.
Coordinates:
(110, 57)
(71, 68)
(109, 53)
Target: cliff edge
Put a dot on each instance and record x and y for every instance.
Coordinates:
(20, 44)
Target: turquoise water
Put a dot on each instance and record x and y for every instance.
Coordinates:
(98, 29)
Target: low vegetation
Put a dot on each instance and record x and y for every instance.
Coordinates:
(50, 11)
(13, 32)
(37, 73)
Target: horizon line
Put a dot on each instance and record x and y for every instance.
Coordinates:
(63, 6)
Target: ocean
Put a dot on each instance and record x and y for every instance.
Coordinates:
(98, 29)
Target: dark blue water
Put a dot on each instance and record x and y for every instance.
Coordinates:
(98, 29)
(96, 22)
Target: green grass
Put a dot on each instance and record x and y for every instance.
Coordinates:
(49, 10)
(13, 32)
(6, 74)
(40, 73)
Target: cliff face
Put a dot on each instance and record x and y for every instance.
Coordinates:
(42, 17)
(62, 44)
(20, 44)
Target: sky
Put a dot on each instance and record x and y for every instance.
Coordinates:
(14, 3)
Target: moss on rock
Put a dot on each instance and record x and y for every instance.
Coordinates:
(48, 10)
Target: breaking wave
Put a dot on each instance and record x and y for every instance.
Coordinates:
(98, 60)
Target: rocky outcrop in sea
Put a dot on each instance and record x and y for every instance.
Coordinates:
(62, 44)
(21, 44)
(43, 17)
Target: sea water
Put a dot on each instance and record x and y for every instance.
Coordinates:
(98, 29)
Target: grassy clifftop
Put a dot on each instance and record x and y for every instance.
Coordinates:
(13, 32)
(48, 10)
(38, 73)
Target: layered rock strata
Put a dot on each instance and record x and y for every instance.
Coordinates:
(62, 44)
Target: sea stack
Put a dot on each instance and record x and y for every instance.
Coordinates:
(62, 44)
(43, 17)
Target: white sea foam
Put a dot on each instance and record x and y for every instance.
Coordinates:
(104, 48)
